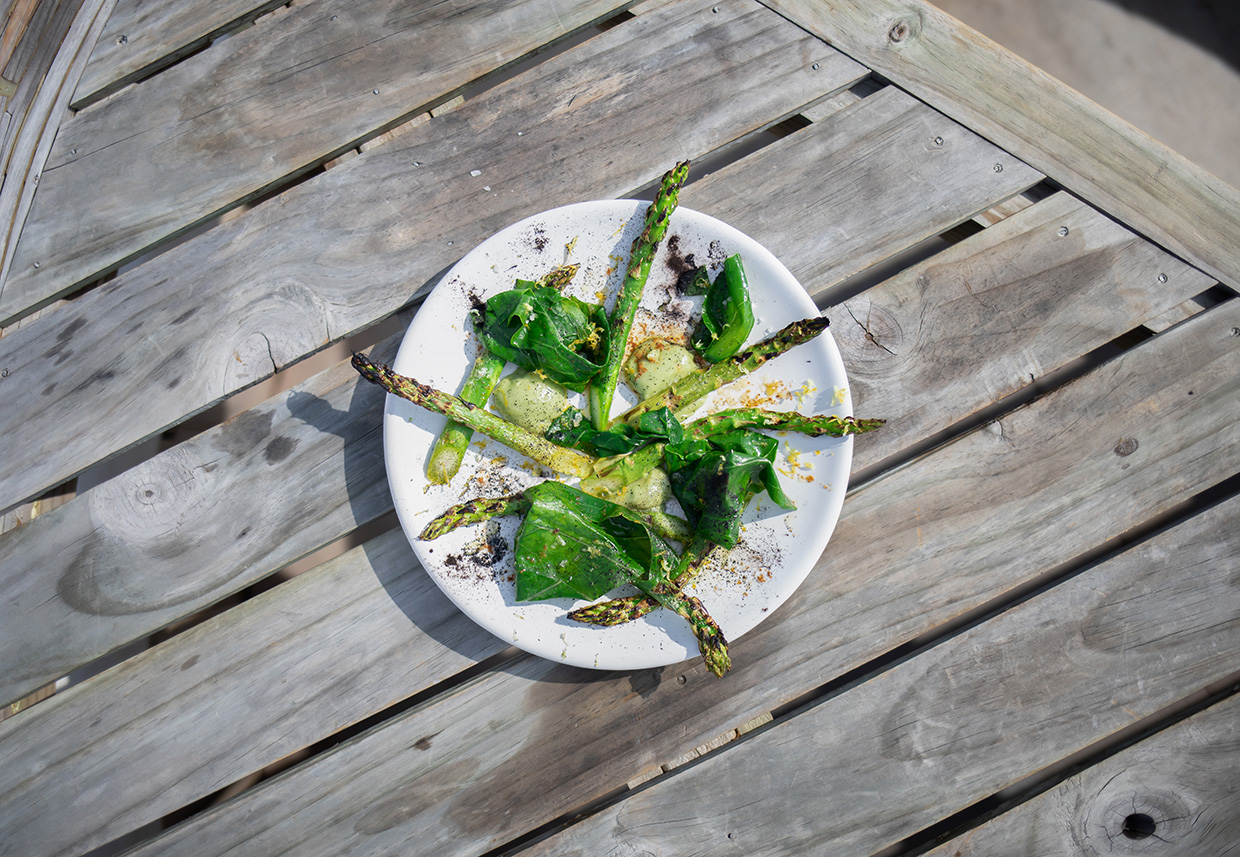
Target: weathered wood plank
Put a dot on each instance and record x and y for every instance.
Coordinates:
(324, 259)
(853, 210)
(414, 638)
(180, 531)
(42, 99)
(914, 549)
(1183, 780)
(241, 337)
(218, 128)
(349, 483)
(326, 423)
(142, 36)
(963, 720)
(984, 318)
(1040, 120)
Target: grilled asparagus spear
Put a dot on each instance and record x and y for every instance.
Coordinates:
(558, 458)
(603, 387)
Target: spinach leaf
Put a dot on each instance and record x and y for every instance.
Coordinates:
(572, 545)
(573, 429)
(727, 314)
(695, 281)
(542, 330)
(714, 478)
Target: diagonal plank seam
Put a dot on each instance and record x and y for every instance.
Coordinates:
(862, 476)
(1224, 313)
(1036, 784)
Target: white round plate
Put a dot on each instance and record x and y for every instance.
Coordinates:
(474, 565)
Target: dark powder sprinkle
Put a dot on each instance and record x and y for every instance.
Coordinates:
(677, 261)
(494, 551)
(483, 560)
(538, 238)
(716, 254)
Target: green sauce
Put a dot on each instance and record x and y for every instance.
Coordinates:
(657, 364)
(529, 401)
(651, 491)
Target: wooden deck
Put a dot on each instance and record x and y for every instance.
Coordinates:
(1023, 637)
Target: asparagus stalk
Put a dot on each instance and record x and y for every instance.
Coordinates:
(560, 276)
(711, 641)
(558, 458)
(603, 388)
(449, 449)
(685, 394)
(816, 425)
(474, 512)
(617, 611)
(484, 508)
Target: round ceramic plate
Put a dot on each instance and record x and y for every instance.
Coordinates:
(474, 565)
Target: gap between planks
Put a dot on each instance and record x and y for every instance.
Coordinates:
(1019, 792)
(1146, 359)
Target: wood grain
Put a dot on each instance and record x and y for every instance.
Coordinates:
(1047, 124)
(1182, 779)
(40, 103)
(143, 36)
(987, 317)
(853, 210)
(918, 547)
(1088, 287)
(262, 107)
(249, 713)
(961, 721)
(180, 531)
(350, 246)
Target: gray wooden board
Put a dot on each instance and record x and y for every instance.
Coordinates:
(324, 259)
(315, 674)
(328, 421)
(318, 423)
(141, 35)
(184, 529)
(265, 327)
(264, 105)
(853, 210)
(985, 317)
(957, 723)
(1051, 126)
(1182, 778)
(924, 544)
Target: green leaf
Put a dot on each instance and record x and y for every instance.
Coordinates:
(573, 430)
(695, 281)
(572, 545)
(714, 478)
(727, 314)
(542, 330)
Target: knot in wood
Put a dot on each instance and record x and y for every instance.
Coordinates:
(1126, 446)
(869, 334)
(899, 31)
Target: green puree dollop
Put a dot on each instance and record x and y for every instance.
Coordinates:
(657, 364)
(529, 401)
(650, 491)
